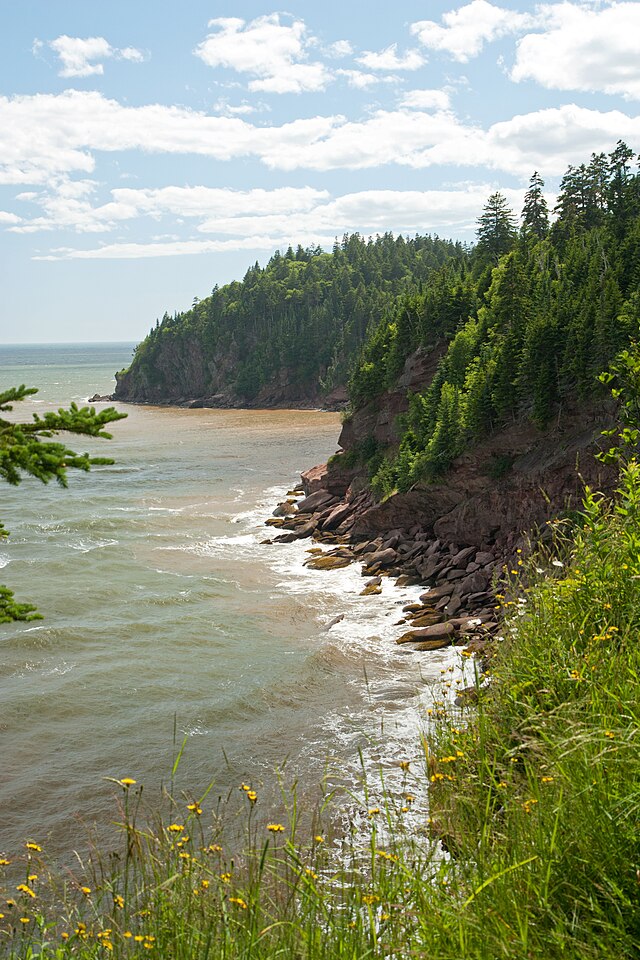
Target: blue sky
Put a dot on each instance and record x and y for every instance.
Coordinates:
(150, 150)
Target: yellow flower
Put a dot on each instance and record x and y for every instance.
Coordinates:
(252, 795)
(370, 898)
(86, 890)
(118, 900)
(309, 872)
(225, 877)
(195, 808)
(275, 827)
(404, 764)
(32, 877)
(204, 884)
(609, 733)
(4, 862)
(138, 938)
(33, 846)
(127, 782)
(175, 827)
(318, 838)
(213, 848)
(373, 811)
(239, 901)
(127, 934)
(25, 889)
(25, 919)
(547, 779)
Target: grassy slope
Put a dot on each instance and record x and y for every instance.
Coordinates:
(537, 792)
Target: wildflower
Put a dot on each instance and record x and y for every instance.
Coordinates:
(194, 808)
(25, 919)
(204, 884)
(252, 795)
(86, 890)
(373, 811)
(225, 877)
(1, 916)
(118, 900)
(275, 827)
(32, 877)
(370, 898)
(213, 848)
(318, 838)
(547, 780)
(4, 862)
(557, 563)
(64, 935)
(243, 786)
(184, 855)
(385, 855)
(33, 846)
(138, 938)
(404, 764)
(239, 901)
(127, 934)
(25, 889)
(436, 777)
(175, 827)
(127, 782)
(404, 809)
(409, 797)
(609, 733)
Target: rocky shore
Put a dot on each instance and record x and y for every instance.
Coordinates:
(459, 605)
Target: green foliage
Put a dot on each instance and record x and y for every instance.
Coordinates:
(552, 313)
(301, 319)
(26, 449)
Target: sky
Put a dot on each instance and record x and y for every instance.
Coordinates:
(150, 150)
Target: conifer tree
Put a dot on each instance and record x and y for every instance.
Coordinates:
(496, 228)
(26, 449)
(535, 213)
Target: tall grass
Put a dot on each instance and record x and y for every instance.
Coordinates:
(534, 792)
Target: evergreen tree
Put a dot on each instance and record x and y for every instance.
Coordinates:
(535, 213)
(496, 228)
(26, 449)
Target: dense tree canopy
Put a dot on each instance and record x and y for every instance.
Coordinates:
(539, 327)
(303, 317)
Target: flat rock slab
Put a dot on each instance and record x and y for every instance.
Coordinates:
(315, 501)
(436, 593)
(328, 562)
(437, 631)
(431, 645)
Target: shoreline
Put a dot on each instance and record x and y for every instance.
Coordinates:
(458, 608)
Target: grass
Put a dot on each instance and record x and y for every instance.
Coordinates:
(535, 793)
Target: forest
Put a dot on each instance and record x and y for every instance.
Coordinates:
(529, 319)
(304, 317)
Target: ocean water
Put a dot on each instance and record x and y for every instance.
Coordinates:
(166, 617)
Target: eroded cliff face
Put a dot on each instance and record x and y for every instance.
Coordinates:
(511, 482)
(180, 375)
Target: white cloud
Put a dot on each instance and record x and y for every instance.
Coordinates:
(254, 222)
(465, 30)
(48, 138)
(274, 53)
(426, 100)
(341, 48)
(78, 55)
(360, 80)
(388, 59)
(6, 217)
(584, 49)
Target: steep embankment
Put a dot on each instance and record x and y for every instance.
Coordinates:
(289, 333)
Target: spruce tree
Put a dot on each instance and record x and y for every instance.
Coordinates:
(535, 213)
(496, 229)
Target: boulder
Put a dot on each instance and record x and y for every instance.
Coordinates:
(337, 515)
(475, 582)
(463, 556)
(438, 631)
(328, 562)
(285, 509)
(315, 501)
(384, 557)
(431, 645)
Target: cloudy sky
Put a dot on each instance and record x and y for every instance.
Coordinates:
(149, 150)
